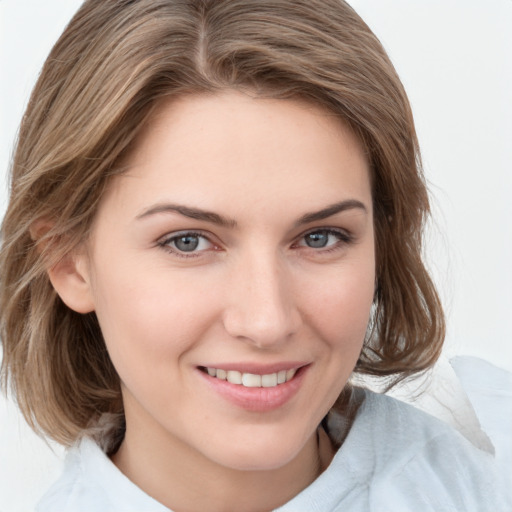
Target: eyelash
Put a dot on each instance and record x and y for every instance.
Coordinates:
(344, 239)
(164, 244)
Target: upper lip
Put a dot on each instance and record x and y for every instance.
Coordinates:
(255, 368)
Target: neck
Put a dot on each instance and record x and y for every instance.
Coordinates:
(184, 480)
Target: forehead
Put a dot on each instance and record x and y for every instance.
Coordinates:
(231, 150)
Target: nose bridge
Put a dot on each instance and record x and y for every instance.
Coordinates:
(261, 307)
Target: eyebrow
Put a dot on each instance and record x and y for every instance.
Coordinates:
(190, 212)
(333, 209)
(215, 218)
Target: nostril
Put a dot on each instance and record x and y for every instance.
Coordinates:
(263, 328)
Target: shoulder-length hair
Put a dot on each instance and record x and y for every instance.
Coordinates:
(115, 62)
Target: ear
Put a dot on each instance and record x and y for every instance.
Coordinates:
(71, 280)
(70, 276)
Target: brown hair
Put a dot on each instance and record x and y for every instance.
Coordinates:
(103, 78)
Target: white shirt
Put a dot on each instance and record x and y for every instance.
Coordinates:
(394, 459)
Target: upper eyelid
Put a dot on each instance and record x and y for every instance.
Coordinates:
(184, 232)
(328, 229)
(324, 228)
(165, 243)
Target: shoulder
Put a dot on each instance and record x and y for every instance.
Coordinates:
(397, 458)
(413, 459)
(91, 482)
(73, 490)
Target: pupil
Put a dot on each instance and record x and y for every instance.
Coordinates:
(317, 240)
(187, 243)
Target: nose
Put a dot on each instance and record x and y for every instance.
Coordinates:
(262, 308)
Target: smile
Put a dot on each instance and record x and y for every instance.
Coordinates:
(256, 388)
(251, 380)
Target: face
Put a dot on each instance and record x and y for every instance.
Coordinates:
(232, 272)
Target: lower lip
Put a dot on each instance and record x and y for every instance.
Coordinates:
(257, 399)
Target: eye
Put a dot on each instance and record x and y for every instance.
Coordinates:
(186, 242)
(324, 239)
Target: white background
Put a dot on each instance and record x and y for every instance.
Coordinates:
(455, 60)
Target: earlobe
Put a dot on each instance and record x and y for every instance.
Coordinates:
(70, 279)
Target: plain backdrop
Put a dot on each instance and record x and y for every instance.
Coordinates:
(455, 60)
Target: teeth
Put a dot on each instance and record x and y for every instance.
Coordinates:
(234, 377)
(251, 380)
(290, 374)
(269, 381)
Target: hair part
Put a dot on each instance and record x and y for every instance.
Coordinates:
(103, 79)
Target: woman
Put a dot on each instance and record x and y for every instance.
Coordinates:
(215, 219)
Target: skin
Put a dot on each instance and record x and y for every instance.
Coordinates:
(253, 293)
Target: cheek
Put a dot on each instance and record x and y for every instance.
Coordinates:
(338, 308)
(152, 317)
(339, 305)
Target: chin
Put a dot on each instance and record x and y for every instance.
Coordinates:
(259, 454)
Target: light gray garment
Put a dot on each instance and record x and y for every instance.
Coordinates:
(394, 459)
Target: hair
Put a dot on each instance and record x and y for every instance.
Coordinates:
(113, 65)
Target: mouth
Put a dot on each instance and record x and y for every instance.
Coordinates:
(251, 380)
(256, 388)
